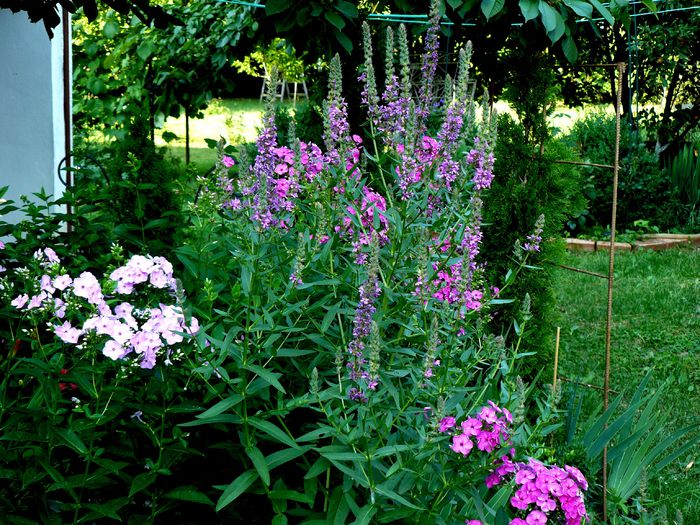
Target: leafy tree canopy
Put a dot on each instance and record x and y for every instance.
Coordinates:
(47, 11)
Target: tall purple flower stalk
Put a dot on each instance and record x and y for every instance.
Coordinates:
(362, 328)
(428, 66)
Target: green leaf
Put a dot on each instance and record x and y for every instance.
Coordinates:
(105, 510)
(189, 493)
(580, 7)
(274, 432)
(343, 40)
(168, 136)
(650, 5)
(558, 31)
(549, 16)
(281, 457)
(272, 7)
(570, 51)
(110, 29)
(365, 515)
(319, 466)
(237, 487)
(279, 519)
(491, 8)
(259, 463)
(385, 491)
(146, 49)
(530, 10)
(603, 11)
(267, 376)
(348, 9)
(335, 19)
(141, 481)
(70, 438)
(221, 406)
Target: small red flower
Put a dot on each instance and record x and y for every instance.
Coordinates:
(65, 386)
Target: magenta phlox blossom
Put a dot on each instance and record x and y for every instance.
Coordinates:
(19, 301)
(227, 161)
(542, 492)
(488, 430)
(312, 160)
(446, 423)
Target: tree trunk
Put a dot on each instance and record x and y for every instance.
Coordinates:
(187, 137)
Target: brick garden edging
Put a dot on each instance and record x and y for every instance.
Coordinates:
(655, 242)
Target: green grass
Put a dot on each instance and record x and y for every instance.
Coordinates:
(237, 120)
(656, 325)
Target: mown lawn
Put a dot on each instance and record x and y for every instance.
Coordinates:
(656, 326)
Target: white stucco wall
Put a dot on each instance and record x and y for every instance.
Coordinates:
(32, 125)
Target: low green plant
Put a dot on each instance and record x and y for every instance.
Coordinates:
(634, 434)
(684, 173)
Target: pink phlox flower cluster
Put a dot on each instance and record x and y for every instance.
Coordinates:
(488, 430)
(148, 333)
(543, 492)
(549, 489)
(163, 328)
(284, 189)
(412, 167)
(481, 159)
(47, 257)
(88, 287)
(157, 271)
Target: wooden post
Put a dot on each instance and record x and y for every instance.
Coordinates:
(621, 66)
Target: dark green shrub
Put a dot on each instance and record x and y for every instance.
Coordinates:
(141, 193)
(644, 191)
(526, 185)
(308, 118)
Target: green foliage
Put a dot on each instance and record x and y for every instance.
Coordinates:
(278, 55)
(125, 69)
(141, 195)
(644, 193)
(527, 184)
(639, 447)
(684, 173)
